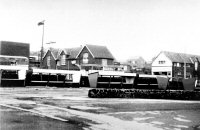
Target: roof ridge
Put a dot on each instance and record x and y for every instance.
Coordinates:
(180, 53)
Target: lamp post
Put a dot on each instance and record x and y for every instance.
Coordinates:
(42, 48)
(51, 42)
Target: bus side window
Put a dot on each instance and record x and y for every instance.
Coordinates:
(68, 77)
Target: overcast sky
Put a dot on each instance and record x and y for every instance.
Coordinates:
(127, 27)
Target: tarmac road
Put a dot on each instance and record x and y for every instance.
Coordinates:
(14, 119)
(70, 108)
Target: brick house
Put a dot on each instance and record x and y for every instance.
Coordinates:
(94, 57)
(67, 59)
(83, 57)
(51, 58)
(175, 64)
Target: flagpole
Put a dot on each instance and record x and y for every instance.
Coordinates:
(42, 47)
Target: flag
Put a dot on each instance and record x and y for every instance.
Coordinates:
(41, 23)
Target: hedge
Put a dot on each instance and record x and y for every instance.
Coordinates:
(144, 93)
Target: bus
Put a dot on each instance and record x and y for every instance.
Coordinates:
(13, 70)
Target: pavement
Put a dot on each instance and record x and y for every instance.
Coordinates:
(70, 108)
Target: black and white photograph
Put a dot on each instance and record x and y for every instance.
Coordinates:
(100, 64)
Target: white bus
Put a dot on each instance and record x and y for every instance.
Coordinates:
(13, 69)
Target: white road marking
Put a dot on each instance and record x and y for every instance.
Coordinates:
(181, 119)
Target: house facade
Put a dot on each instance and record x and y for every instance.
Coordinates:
(51, 58)
(67, 59)
(84, 57)
(94, 57)
(175, 64)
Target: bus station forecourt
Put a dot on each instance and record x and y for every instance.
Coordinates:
(50, 108)
(70, 108)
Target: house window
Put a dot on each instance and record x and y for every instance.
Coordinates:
(85, 58)
(161, 62)
(73, 62)
(175, 64)
(125, 68)
(63, 60)
(104, 62)
(48, 60)
(58, 63)
(188, 75)
(188, 65)
(179, 73)
(196, 65)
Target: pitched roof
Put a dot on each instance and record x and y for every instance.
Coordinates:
(73, 52)
(95, 50)
(99, 51)
(181, 57)
(54, 51)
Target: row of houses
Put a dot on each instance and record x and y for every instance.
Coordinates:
(99, 57)
(176, 65)
(84, 57)
(87, 57)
